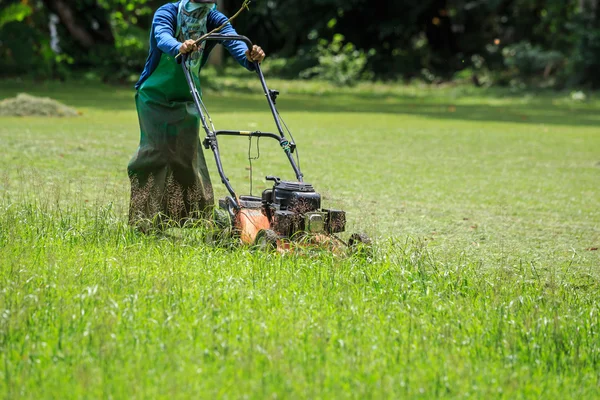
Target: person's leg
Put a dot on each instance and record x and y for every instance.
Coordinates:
(191, 175)
(147, 171)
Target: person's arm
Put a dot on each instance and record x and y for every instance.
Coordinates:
(236, 48)
(164, 24)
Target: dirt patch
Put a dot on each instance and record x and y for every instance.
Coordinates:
(25, 105)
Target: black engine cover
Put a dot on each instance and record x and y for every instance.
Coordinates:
(298, 197)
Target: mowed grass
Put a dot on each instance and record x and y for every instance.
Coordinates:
(484, 204)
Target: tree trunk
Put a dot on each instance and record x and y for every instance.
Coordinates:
(89, 27)
(589, 6)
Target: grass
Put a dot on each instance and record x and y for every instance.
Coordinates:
(485, 208)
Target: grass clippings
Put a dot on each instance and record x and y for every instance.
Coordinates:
(25, 105)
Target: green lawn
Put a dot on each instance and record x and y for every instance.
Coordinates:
(485, 207)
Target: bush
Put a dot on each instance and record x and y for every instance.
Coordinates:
(529, 61)
(584, 60)
(339, 63)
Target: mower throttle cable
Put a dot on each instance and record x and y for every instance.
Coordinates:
(250, 158)
(291, 137)
(207, 114)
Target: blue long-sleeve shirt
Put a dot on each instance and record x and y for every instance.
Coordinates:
(162, 39)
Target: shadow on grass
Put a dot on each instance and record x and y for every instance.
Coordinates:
(518, 113)
(539, 110)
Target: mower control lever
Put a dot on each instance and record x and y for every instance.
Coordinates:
(273, 95)
(274, 179)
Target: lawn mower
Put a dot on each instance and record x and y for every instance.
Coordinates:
(288, 212)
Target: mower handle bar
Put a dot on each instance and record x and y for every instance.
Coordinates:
(211, 139)
(220, 37)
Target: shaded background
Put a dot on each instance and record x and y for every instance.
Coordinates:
(548, 43)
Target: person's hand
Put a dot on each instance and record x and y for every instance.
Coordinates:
(255, 54)
(188, 46)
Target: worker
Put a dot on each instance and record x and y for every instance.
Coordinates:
(168, 173)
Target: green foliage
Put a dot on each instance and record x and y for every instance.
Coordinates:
(119, 29)
(14, 12)
(131, 46)
(584, 60)
(339, 62)
(25, 49)
(541, 42)
(526, 61)
(123, 58)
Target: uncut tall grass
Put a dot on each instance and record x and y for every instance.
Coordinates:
(91, 308)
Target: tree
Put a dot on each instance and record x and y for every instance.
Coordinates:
(86, 21)
(557, 40)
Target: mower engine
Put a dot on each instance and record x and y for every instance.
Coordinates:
(293, 207)
(282, 212)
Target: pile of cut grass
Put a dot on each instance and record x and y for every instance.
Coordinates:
(25, 105)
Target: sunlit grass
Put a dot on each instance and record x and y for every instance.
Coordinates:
(483, 281)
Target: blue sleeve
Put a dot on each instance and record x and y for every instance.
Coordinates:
(163, 25)
(236, 48)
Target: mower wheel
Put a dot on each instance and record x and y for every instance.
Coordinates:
(222, 219)
(359, 239)
(220, 229)
(266, 240)
(360, 243)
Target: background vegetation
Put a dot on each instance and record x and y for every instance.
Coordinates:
(553, 43)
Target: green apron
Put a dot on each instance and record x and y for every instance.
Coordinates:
(168, 173)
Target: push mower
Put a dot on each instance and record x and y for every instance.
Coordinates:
(288, 212)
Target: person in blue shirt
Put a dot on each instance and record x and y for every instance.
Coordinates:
(168, 173)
